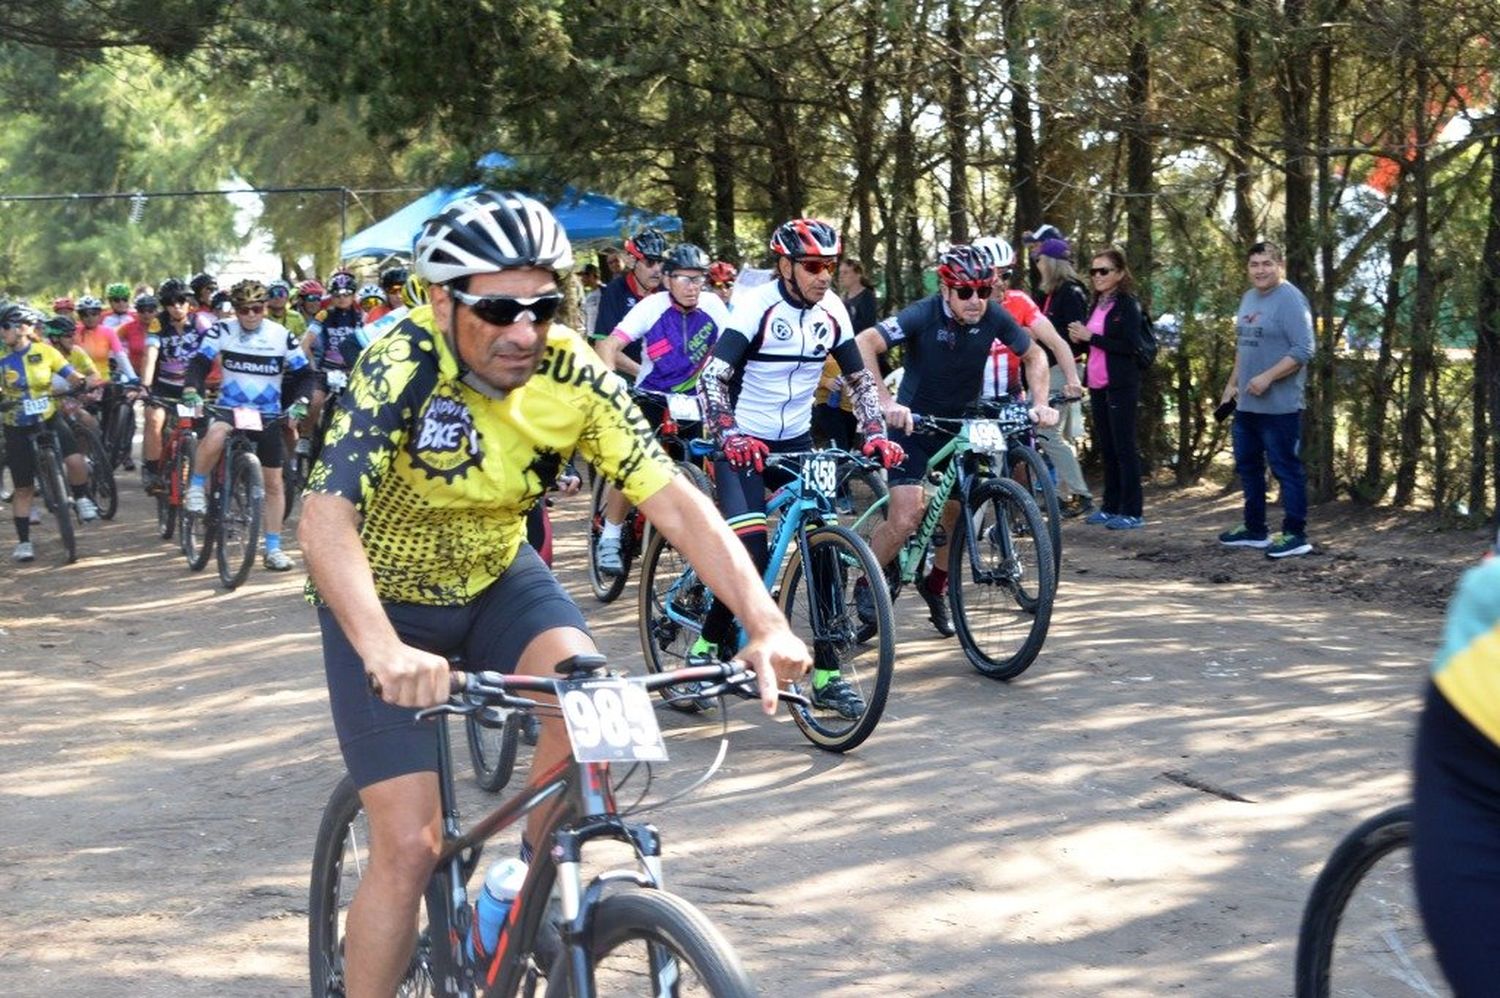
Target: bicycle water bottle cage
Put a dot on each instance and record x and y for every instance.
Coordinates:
(582, 665)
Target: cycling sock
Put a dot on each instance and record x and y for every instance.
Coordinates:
(23, 528)
(198, 481)
(80, 491)
(937, 581)
(273, 543)
(610, 531)
(154, 467)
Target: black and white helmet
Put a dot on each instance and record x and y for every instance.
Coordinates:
(487, 232)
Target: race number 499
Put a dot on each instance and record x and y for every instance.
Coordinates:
(611, 720)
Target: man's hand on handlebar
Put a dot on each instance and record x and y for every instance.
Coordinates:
(777, 657)
(898, 417)
(1044, 415)
(407, 676)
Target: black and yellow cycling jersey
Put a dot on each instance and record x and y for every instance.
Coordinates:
(26, 381)
(443, 475)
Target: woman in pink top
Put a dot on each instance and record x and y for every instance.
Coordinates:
(1113, 336)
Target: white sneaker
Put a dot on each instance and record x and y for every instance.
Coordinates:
(278, 561)
(87, 511)
(23, 552)
(608, 558)
(195, 501)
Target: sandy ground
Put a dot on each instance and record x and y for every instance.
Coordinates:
(167, 753)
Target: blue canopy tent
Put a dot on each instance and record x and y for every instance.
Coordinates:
(585, 217)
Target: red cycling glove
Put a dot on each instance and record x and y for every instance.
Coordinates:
(746, 452)
(891, 453)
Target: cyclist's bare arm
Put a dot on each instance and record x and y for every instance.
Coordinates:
(1035, 361)
(871, 345)
(696, 528)
(1044, 332)
(329, 535)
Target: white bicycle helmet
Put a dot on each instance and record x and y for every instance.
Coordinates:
(487, 232)
(996, 250)
(370, 291)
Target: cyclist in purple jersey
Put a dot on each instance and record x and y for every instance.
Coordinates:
(675, 331)
(171, 341)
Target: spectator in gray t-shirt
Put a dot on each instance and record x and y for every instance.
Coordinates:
(1275, 342)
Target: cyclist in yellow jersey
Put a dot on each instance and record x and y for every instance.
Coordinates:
(26, 372)
(454, 423)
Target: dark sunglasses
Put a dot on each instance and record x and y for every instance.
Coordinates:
(169, 302)
(503, 310)
(723, 284)
(818, 264)
(277, 294)
(249, 309)
(967, 291)
(86, 312)
(113, 300)
(1102, 271)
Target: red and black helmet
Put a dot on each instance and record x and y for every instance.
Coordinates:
(802, 237)
(721, 272)
(647, 244)
(964, 265)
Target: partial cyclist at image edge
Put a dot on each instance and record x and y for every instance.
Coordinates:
(1456, 813)
(757, 394)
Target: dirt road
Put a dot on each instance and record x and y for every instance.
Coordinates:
(167, 752)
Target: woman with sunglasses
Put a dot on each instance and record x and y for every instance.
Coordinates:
(947, 338)
(1112, 334)
(335, 336)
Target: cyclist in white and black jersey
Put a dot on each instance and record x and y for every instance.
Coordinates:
(262, 362)
(757, 394)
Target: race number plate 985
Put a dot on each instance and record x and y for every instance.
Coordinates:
(611, 720)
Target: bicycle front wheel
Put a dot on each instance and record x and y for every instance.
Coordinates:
(54, 489)
(492, 750)
(840, 606)
(607, 588)
(1362, 930)
(121, 434)
(649, 942)
(239, 519)
(340, 858)
(672, 606)
(1000, 579)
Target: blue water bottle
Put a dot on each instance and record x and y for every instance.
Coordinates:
(501, 885)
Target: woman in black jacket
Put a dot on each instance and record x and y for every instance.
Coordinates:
(1064, 302)
(1113, 336)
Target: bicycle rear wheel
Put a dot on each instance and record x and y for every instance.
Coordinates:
(858, 490)
(607, 588)
(54, 488)
(672, 605)
(102, 487)
(649, 942)
(294, 472)
(832, 606)
(1029, 469)
(340, 858)
(1362, 931)
(1000, 579)
(121, 433)
(239, 519)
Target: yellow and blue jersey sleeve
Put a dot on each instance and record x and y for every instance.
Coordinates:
(1467, 668)
(27, 375)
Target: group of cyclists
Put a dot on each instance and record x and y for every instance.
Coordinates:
(268, 346)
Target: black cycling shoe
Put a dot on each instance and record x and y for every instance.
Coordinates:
(838, 696)
(864, 606)
(937, 610)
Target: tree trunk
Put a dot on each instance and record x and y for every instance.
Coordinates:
(1320, 453)
(1023, 170)
(722, 160)
(1373, 482)
(1140, 182)
(1486, 396)
(956, 122)
(1425, 304)
(866, 163)
(1244, 123)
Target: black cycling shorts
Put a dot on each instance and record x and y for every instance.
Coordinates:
(269, 445)
(654, 409)
(18, 456)
(380, 741)
(919, 449)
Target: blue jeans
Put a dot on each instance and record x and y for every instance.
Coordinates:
(1277, 437)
